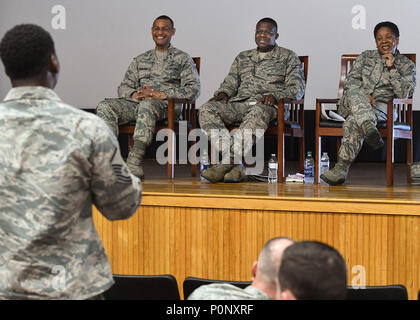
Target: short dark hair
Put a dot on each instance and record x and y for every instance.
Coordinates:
(165, 18)
(313, 270)
(268, 20)
(25, 51)
(388, 24)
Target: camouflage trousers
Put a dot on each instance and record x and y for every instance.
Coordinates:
(118, 111)
(216, 115)
(357, 109)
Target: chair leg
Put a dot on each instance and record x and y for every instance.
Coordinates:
(193, 166)
(338, 147)
(302, 154)
(280, 158)
(171, 155)
(130, 142)
(409, 158)
(390, 161)
(317, 159)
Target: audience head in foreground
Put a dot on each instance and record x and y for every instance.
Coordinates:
(264, 277)
(312, 270)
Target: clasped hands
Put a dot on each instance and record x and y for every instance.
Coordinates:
(268, 100)
(147, 93)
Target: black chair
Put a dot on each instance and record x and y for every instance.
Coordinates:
(391, 292)
(134, 287)
(192, 283)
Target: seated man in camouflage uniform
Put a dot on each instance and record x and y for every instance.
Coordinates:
(56, 161)
(257, 79)
(376, 77)
(264, 277)
(151, 79)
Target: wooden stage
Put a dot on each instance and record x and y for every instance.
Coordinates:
(187, 227)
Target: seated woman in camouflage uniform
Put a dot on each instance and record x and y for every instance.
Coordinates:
(376, 77)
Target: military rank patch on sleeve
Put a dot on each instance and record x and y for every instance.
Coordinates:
(120, 169)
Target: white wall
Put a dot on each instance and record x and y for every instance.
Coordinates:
(101, 37)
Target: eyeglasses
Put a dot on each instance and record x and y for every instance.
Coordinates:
(264, 33)
(164, 29)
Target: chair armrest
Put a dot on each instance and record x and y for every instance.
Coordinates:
(404, 114)
(189, 111)
(320, 101)
(181, 100)
(296, 111)
(286, 101)
(318, 104)
(402, 101)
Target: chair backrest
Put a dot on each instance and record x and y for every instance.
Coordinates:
(135, 287)
(192, 283)
(304, 60)
(197, 62)
(347, 61)
(391, 292)
(296, 110)
(188, 109)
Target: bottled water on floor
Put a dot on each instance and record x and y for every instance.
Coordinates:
(309, 168)
(272, 169)
(325, 163)
(204, 162)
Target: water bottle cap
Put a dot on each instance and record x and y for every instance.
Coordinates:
(273, 155)
(309, 153)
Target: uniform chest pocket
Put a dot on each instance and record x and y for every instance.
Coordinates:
(246, 71)
(367, 70)
(143, 71)
(276, 76)
(171, 69)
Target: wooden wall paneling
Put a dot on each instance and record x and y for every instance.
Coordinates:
(223, 243)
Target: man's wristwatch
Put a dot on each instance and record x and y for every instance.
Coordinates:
(391, 68)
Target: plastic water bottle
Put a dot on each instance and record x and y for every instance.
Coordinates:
(309, 168)
(204, 162)
(272, 169)
(325, 163)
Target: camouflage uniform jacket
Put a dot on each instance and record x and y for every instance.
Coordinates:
(279, 74)
(57, 161)
(175, 74)
(227, 291)
(370, 74)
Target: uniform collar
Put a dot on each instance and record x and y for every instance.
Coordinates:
(167, 53)
(379, 55)
(36, 92)
(255, 54)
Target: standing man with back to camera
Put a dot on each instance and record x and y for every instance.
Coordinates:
(56, 161)
(152, 78)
